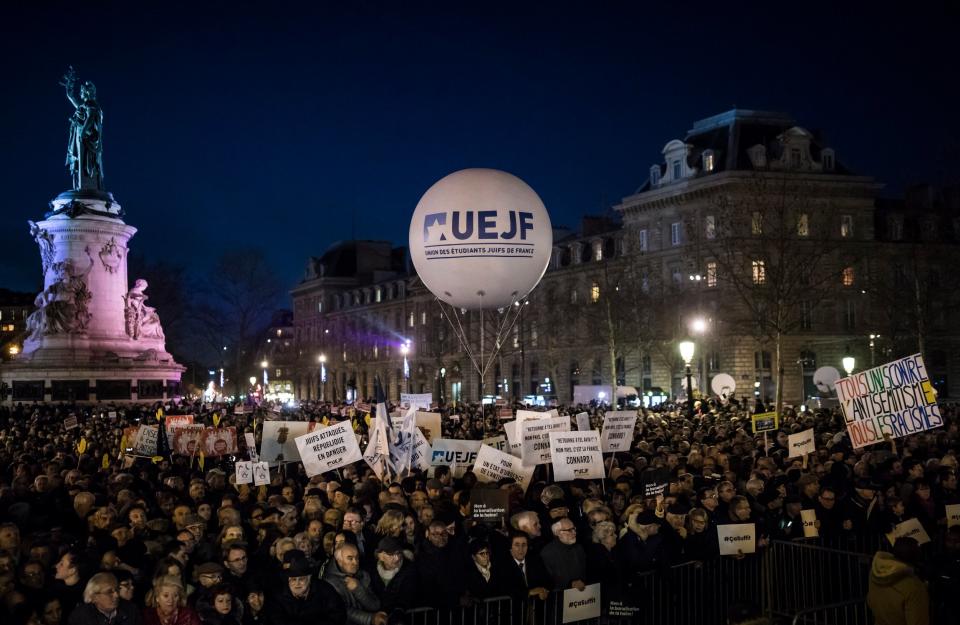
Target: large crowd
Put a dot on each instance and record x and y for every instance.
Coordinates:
(103, 537)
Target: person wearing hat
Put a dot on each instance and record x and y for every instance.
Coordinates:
(304, 599)
(862, 514)
(394, 579)
(896, 596)
(352, 583)
(641, 547)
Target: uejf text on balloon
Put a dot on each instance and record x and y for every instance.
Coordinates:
(462, 224)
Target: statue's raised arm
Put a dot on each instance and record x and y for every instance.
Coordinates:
(85, 145)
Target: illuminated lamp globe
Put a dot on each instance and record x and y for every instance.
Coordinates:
(480, 239)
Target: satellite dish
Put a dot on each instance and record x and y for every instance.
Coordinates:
(723, 384)
(825, 379)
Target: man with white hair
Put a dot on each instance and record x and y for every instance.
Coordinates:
(102, 604)
(565, 559)
(529, 523)
(353, 585)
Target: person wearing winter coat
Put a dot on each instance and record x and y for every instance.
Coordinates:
(896, 595)
(305, 600)
(395, 579)
(352, 583)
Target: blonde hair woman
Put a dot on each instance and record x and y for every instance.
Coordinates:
(167, 604)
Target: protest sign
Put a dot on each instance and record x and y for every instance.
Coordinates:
(492, 466)
(277, 441)
(652, 489)
(241, 409)
(219, 441)
(251, 446)
(895, 399)
(416, 400)
(765, 422)
(801, 444)
(737, 538)
(583, 421)
(523, 415)
(145, 442)
(429, 424)
(809, 518)
(71, 422)
(953, 514)
(186, 439)
(112, 415)
(910, 528)
(505, 412)
(497, 442)
(514, 442)
(576, 455)
(535, 435)
(617, 434)
(177, 420)
(244, 472)
(420, 456)
(261, 474)
(489, 506)
(459, 455)
(328, 448)
(579, 605)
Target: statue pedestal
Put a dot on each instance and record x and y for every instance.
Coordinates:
(86, 344)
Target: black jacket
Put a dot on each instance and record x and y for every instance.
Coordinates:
(401, 592)
(440, 575)
(322, 606)
(88, 614)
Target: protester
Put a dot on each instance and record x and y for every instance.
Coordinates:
(897, 596)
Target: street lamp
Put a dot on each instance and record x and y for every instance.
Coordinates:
(848, 364)
(322, 358)
(263, 365)
(686, 352)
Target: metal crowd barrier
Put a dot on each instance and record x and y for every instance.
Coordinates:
(803, 581)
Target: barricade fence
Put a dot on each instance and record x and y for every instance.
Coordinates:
(786, 580)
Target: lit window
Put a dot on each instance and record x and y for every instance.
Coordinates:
(759, 272)
(423, 318)
(711, 273)
(846, 226)
(516, 336)
(279, 373)
(378, 294)
(708, 160)
(756, 223)
(675, 233)
(803, 225)
(410, 320)
(376, 350)
(598, 250)
(643, 240)
(7, 327)
(848, 276)
(711, 229)
(594, 292)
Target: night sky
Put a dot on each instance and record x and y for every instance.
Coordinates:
(288, 126)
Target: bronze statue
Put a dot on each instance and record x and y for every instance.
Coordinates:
(85, 146)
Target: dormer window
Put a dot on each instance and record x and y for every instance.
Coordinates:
(827, 159)
(796, 158)
(709, 160)
(654, 175)
(677, 170)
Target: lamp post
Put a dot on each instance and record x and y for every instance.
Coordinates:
(263, 365)
(699, 327)
(323, 376)
(849, 362)
(405, 349)
(686, 352)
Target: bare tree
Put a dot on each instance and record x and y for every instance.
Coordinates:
(776, 245)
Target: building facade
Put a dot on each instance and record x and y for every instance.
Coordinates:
(749, 237)
(14, 310)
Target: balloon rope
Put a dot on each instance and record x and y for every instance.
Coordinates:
(459, 333)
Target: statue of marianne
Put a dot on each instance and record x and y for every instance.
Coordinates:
(85, 145)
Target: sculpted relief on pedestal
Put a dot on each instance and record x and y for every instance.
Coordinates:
(111, 255)
(142, 321)
(63, 307)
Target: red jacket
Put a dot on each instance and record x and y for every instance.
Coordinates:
(185, 616)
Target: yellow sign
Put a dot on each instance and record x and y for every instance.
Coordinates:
(159, 413)
(765, 422)
(216, 419)
(105, 463)
(200, 461)
(82, 445)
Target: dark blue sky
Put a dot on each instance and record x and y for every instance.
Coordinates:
(273, 125)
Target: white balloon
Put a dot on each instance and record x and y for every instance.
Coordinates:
(825, 379)
(723, 384)
(480, 238)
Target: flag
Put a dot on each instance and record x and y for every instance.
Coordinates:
(401, 450)
(377, 454)
(163, 445)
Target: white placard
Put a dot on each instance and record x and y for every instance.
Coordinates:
(244, 472)
(498, 442)
(580, 605)
(523, 415)
(146, 443)
(514, 442)
(576, 455)
(737, 538)
(416, 400)
(809, 518)
(261, 473)
(801, 444)
(953, 514)
(535, 434)
(583, 421)
(911, 528)
(71, 422)
(251, 446)
(112, 415)
(420, 456)
(493, 465)
(617, 434)
(459, 455)
(328, 448)
(272, 450)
